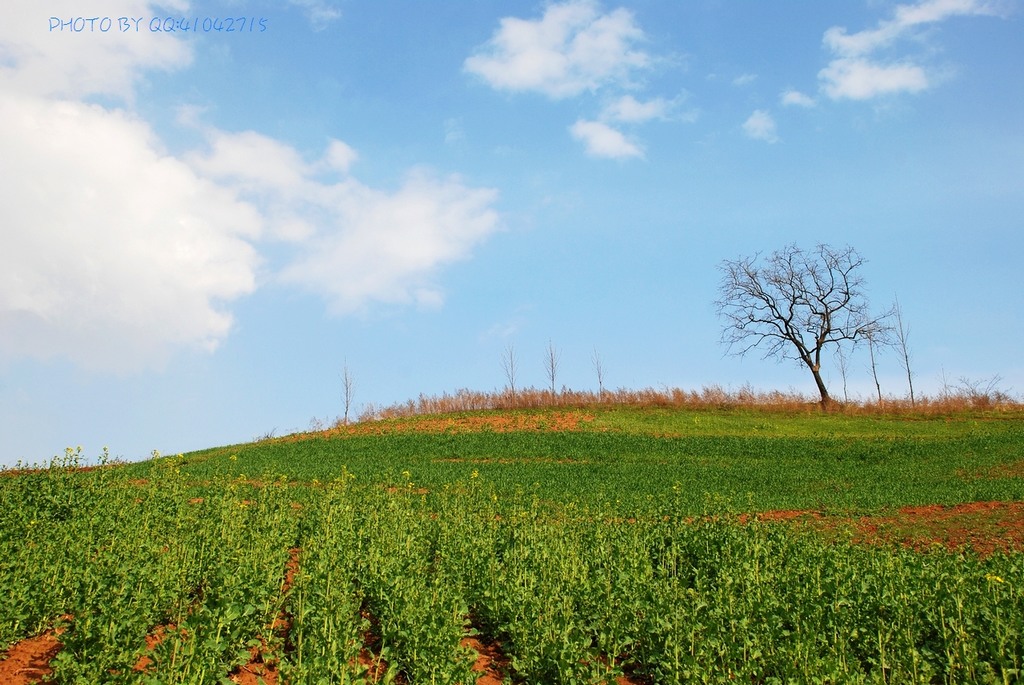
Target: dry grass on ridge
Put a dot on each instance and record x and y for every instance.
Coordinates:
(709, 397)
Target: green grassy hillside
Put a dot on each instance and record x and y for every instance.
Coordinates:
(572, 546)
(633, 459)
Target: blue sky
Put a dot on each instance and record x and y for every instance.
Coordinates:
(200, 229)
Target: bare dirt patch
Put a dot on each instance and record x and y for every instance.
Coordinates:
(256, 672)
(984, 527)
(491, 662)
(28, 661)
(572, 420)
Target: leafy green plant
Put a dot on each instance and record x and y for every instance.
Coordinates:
(583, 555)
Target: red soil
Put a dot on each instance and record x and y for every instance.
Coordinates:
(256, 672)
(984, 527)
(262, 666)
(498, 423)
(28, 661)
(153, 640)
(369, 654)
(491, 662)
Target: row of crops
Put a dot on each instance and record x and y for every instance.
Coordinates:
(191, 575)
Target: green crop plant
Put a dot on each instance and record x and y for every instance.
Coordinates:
(584, 556)
(327, 630)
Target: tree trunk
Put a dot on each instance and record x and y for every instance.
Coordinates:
(826, 399)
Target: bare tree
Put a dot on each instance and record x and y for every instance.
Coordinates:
(946, 391)
(795, 304)
(843, 363)
(872, 337)
(508, 363)
(599, 370)
(983, 392)
(902, 333)
(347, 389)
(551, 366)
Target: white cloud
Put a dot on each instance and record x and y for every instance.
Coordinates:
(744, 80)
(573, 48)
(453, 131)
(577, 47)
(504, 330)
(387, 248)
(601, 140)
(357, 245)
(320, 13)
(114, 254)
(761, 126)
(628, 109)
(861, 79)
(270, 174)
(794, 98)
(40, 61)
(905, 18)
(855, 74)
(251, 162)
(340, 156)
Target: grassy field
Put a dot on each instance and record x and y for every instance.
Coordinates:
(609, 544)
(633, 460)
